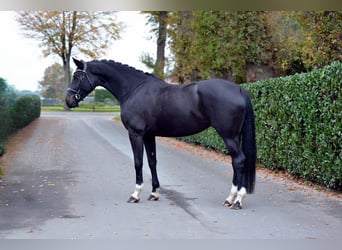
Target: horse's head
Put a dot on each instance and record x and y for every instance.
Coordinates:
(83, 82)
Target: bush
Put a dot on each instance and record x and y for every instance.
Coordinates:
(2, 150)
(7, 99)
(103, 95)
(209, 139)
(298, 125)
(15, 113)
(25, 110)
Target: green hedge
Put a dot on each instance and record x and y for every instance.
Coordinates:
(25, 110)
(5, 124)
(298, 125)
(16, 113)
(7, 98)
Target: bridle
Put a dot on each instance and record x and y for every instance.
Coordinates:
(76, 92)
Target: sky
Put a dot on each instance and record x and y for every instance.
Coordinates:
(22, 63)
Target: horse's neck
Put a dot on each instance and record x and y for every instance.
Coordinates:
(122, 84)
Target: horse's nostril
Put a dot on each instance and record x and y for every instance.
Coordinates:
(70, 102)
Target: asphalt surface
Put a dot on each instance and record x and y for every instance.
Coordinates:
(69, 175)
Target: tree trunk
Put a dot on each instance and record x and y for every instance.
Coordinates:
(67, 77)
(161, 42)
(66, 52)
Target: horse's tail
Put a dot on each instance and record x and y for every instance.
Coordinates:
(249, 144)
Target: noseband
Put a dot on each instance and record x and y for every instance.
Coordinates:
(76, 92)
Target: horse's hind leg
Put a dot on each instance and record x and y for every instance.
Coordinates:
(150, 146)
(233, 194)
(238, 191)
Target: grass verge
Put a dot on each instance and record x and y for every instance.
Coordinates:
(85, 108)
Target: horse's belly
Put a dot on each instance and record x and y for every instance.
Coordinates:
(178, 127)
(179, 113)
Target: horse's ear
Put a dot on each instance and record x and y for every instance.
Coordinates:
(79, 64)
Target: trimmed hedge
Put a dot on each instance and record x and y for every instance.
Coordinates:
(298, 125)
(5, 124)
(7, 99)
(25, 110)
(17, 114)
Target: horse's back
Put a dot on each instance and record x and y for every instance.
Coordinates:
(219, 89)
(218, 93)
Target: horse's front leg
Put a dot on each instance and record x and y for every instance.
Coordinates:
(150, 146)
(137, 147)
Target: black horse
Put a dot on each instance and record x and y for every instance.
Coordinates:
(150, 107)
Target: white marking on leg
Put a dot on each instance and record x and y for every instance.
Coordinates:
(240, 195)
(155, 194)
(233, 194)
(137, 191)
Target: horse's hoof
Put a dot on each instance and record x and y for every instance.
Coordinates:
(236, 206)
(133, 200)
(227, 204)
(153, 198)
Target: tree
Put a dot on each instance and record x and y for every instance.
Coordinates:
(220, 43)
(70, 32)
(159, 21)
(3, 86)
(302, 40)
(182, 36)
(147, 59)
(7, 94)
(324, 34)
(288, 37)
(52, 85)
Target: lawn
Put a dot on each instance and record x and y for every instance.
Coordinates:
(85, 107)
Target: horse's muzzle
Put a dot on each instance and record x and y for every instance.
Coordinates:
(71, 101)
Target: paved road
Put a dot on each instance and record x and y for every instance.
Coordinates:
(68, 175)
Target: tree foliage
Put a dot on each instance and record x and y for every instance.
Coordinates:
(323, 31)
(182, 34)
(288, 36)
(52, 85)
(221, 43)
(306, 39)
(7, 95)
(224, 44)
(70, 33)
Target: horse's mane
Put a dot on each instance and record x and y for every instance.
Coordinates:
(125, 67)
